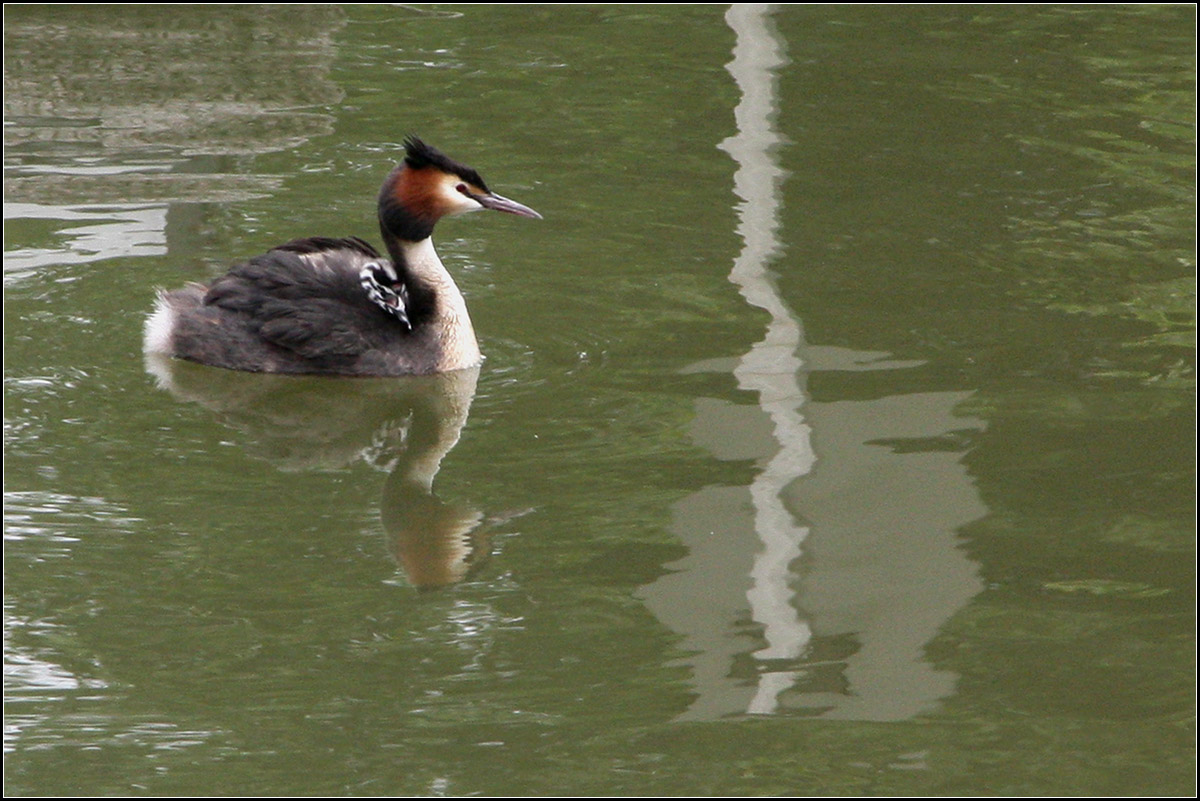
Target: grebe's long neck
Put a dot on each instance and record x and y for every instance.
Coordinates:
(420, 265)
(445, 317)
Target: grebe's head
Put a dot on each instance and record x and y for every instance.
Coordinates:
(429, 185)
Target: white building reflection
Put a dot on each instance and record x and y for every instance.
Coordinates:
(817, 587)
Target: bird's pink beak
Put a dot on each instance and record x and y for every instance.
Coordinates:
(498, 203)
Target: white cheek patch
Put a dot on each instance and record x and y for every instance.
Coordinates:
(456, 202)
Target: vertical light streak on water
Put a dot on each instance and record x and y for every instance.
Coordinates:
(771, 368)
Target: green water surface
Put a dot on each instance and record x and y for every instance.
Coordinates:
(835, 436)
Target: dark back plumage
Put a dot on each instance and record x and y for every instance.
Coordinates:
(318, 244)
(299, 307)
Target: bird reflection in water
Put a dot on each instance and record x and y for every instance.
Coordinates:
(405, 426)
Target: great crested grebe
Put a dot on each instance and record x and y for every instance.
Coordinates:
(335, 306)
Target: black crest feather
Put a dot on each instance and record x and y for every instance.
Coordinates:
(419, 155)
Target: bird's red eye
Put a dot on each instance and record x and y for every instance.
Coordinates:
(463, 189)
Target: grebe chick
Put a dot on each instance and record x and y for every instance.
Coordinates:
(335, 306)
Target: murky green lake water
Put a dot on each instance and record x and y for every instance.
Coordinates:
(835, 434)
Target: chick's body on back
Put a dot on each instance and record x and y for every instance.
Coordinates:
(336, 306)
